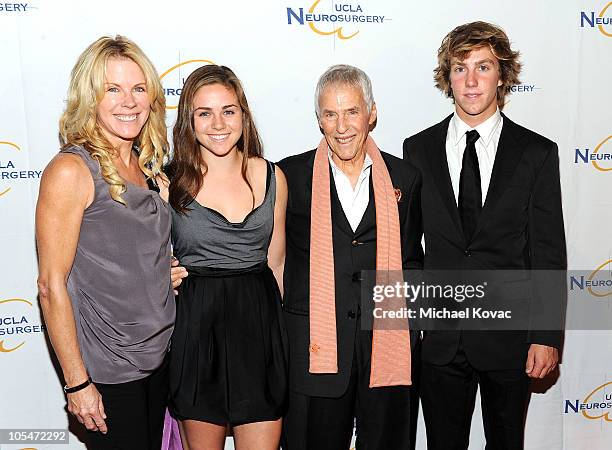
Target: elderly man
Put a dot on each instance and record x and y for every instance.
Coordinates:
(350, 208)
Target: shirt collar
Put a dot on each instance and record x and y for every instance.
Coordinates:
(486, 129)
(367, 162)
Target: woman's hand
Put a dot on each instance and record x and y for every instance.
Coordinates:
(86, 405)
(177, 273)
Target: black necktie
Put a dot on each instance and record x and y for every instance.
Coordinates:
(470, 192)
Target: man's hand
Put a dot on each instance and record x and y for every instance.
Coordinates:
(86, 405)
(177, 273)
(541, 360)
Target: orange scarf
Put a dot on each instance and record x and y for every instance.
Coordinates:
(390, 363)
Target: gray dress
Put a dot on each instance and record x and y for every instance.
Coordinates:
(228, 358)
(119, 284)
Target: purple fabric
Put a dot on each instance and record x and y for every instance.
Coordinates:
(171, 439)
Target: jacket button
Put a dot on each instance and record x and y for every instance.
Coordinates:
(351, 314)
(357, 276)
(467, 252)
(355, 242)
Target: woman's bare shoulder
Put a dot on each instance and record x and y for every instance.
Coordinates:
(258, 166)
(68, 168)
(66, 179)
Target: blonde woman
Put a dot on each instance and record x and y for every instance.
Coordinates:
(104, 248)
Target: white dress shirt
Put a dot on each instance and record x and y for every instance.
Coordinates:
(486, 148)
(354, 201)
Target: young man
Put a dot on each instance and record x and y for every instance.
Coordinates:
(350, 208)
(490, 199)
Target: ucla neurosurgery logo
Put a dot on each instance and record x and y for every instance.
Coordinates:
(600, 157)
(18, 321)
(598, 283)
(602, 20)
(12, 167)
(174, 78)
(342, 19)
(15, 7)
(595, 406)
(524, 88)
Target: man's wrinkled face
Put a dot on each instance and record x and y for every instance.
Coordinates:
(345, 120)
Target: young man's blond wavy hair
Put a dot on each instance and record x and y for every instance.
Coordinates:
(79, 126)
(471, 36)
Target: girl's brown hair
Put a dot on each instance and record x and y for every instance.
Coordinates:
(187, 167)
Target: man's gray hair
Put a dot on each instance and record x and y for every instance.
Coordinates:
(345, 74)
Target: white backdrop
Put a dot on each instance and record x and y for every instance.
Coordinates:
(565, 95)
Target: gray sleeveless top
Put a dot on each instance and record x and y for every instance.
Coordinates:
(120, 282)
(203, 237)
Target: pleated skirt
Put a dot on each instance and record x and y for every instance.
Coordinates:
(229, 350)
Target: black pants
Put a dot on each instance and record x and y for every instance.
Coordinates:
(448, 394)
(381, 415)
(135, 413)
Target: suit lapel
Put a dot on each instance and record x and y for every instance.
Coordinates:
(369, 215)
(509, 153)
(438, 164)
(338, 216)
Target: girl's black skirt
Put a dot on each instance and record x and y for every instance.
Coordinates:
(228, 358)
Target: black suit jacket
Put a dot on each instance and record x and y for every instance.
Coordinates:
(521, 227)
(353, 252)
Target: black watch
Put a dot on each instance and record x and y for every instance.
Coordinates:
(77, 388)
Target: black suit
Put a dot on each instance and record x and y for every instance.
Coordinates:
(520, 228)
(353, 252)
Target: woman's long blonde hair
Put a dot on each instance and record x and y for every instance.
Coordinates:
(78, 124)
